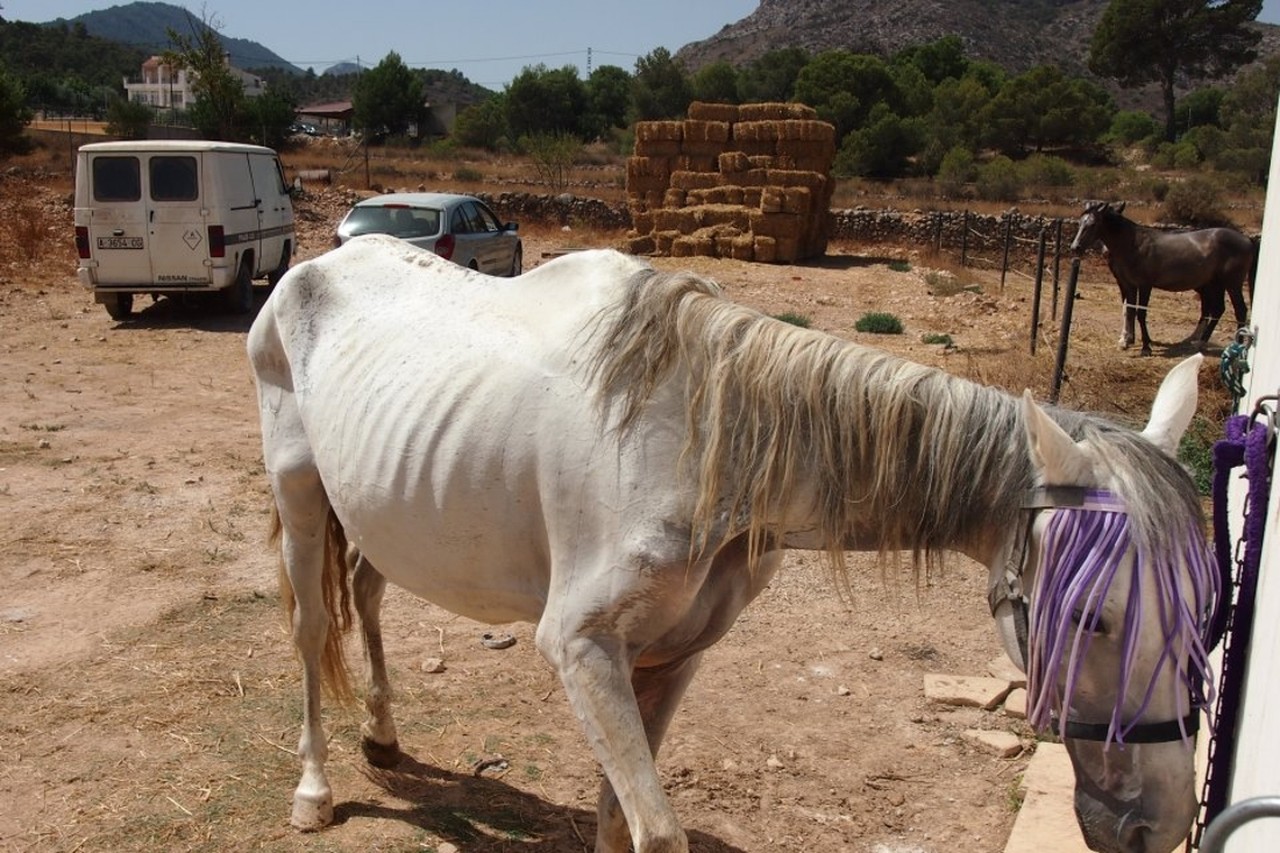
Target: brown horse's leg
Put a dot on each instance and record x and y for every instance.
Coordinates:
(1213, 303)
(1236, 292)
(1130, 311)
(1144, 297)
(378, 732)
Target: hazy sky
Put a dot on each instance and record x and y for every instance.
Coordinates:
(489, 42)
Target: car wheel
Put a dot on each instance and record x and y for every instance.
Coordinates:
(239, 295)
(517, 262)
(119, 305)
(273, 277)
(473, 265)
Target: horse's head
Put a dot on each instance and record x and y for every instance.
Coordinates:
(1104, 604)
(1090, 229)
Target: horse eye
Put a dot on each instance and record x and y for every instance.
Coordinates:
(1093, 625)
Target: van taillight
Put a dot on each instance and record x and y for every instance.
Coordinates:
(217, 242)
(82, 242)
(445, 246)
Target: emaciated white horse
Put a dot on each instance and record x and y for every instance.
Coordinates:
(621, 455)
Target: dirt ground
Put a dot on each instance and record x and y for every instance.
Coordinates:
(150, 699)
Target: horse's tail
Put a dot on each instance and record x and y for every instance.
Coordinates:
(335, 674)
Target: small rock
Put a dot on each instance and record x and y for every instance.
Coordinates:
(446, 847)
(1001, 667)
(985, 693)
(433, 665)
(1015, 704)
(774, 763)
(43, 444)
(1003, 744)
(876, 654)
(843, 691)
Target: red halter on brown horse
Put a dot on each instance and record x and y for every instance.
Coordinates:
(1214, 262)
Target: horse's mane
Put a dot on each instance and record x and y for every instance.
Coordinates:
(905, 456)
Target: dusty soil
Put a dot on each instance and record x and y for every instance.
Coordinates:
(150, 697)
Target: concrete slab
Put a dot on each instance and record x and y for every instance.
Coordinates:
(1046, 823)
(972, 691)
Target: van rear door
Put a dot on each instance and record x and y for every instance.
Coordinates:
(179, 234)
(118, 237)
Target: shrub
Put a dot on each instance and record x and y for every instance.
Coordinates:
(1131, 126)
(878, 323)
(1042, 171)
(998, 180)
(934, 338)
(958, 169)
(1195, 201)
(468, 174)
(794, 319)
(900, 266)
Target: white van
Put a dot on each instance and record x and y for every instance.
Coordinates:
(165, 216)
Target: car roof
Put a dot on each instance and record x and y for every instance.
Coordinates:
(416, 200)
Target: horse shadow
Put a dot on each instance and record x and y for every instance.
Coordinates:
(485, 815)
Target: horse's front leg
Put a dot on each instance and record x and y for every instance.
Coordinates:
(1213, 302)
(590, 632)
(378, 732)
(658, 692)
(1130, 311)
(1144, 299)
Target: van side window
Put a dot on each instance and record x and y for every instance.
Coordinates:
(174, 178)
(117, 179)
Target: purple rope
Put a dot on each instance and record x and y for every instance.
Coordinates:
(1081, 552)
(1249, 445)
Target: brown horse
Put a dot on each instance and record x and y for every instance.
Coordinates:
(1213, 262)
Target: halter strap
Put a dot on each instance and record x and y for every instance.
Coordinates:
(1162, 732)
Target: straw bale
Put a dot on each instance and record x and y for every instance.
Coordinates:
(776, 224)
(808, 131)
(663, 241)
(642, 222)
(775, 111)
(646, 184)
(672, 219)
(705, 111)
(732, 194)
(653, 130)
(694, 180)
(695, 197)
(742, 248)
(657, 147)
(733, 161)
(788, 251)
(805, 149)
(771, 199)
(795, 178)
(696, 163)
(644, 245)
(755, 130)
(648, 167)
(704, 245)
(751, 196)
(754, 147)
(682, 247)
(752, 178)
(706, 131)
(797, 200)
(733, 216)
(765, 249)
(674, 197)
(708, 150)
(762, 161)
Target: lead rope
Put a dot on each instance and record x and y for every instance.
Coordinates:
(1250, 443)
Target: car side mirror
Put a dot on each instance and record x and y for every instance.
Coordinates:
(511, 226)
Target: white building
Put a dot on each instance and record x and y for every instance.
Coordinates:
(164, 87)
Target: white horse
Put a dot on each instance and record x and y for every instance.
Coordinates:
(620, 456)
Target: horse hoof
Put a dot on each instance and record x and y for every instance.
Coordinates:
(311, 815)
(383, 755)
(1146, 352)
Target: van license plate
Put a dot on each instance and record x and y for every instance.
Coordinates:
(119, 242)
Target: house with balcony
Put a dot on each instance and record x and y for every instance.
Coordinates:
(164, 87)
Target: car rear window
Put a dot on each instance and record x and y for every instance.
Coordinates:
(174, 178)
(117, 179)
(403, 222)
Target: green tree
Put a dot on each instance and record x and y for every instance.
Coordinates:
(128, 119)
(219, 93)
(1248, 114)
(1130, 126)
(1202, 106)
(608, 99)
(267, 118)
(1045, 107)
(660, 89)
(772, 77)
(939, 60)
(844, 87)
(483, 125)
(544, 101)
(882, 148)
(387, 99)
(14, 115)
(717, 83)
(1158, 41)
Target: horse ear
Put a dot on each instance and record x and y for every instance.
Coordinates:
(1058, 458)
(1119, 208)
(1175, 405)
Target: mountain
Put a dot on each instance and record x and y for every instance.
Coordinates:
(146, 25)
(1015, 34)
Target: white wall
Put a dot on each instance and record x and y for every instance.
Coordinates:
(1257, 761)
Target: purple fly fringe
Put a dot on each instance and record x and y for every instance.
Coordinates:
(1080, 554)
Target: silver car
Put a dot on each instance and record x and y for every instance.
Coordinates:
(461, 228)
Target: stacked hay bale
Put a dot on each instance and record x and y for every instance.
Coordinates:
(750, 182)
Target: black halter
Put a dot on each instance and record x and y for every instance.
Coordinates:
(1009, 587)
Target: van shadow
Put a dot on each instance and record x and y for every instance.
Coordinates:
(847, 262)
(207, 312)
(485, 815)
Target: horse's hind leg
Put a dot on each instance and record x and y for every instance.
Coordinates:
(658, 693)
(1213, 302)
(378, 732)
(1144, 299)
(1236, 292)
